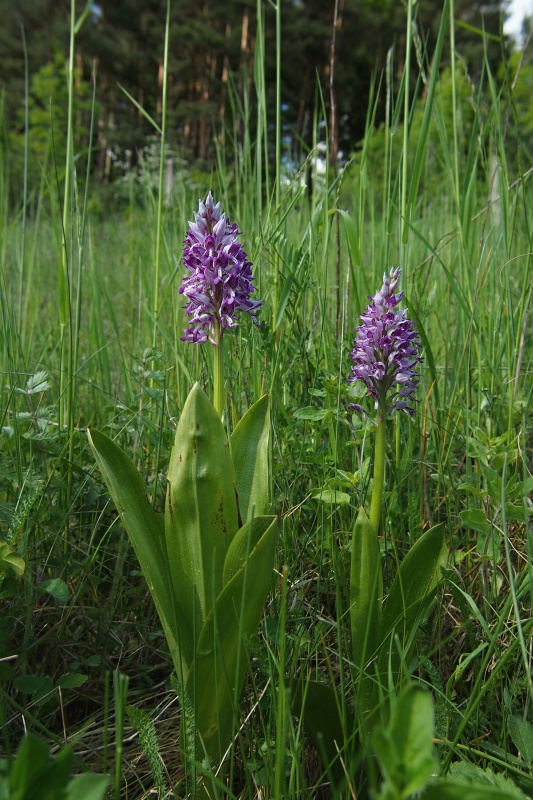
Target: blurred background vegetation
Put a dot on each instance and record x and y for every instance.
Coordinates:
(336, 56)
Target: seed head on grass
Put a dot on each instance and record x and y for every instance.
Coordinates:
(386, 351)
(219, 280)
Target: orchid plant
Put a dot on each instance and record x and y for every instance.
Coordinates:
(209, 561)
(385, 355)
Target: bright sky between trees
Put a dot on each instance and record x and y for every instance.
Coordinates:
(518, 9)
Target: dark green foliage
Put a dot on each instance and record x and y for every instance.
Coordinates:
(211, 64)
(34, 773)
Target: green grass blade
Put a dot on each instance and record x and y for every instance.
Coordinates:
(138, 106)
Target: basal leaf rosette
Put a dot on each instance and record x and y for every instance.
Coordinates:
(208, 573)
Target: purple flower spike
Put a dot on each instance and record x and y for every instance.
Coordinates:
(220, 279)
(386, 351)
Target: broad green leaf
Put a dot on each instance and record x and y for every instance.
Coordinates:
(332, 497)
(243, 544)
(471, 775)
(311, 413)
(319, 708)
(521, 732)
(34, 684)
(415, 584)
(448, 790)
(517, 512)
(249, 451)
(10, 560)
(519, 489)
(72, 680)
(146, 530)
(57, 588)
(201, 515)
(31, 762)
(467, 487)
(474, 518)
(217, 676)
(467, 781)
(93, 661)
(35, 774)
(405, 747)
(87, 786)
(366, 590)
(411, 593)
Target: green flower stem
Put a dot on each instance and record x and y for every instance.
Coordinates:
(218, 376)
(379, 475)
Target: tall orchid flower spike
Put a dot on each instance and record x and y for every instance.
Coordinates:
(218, 284)
(385, 355)
(386, 352)
(219, 281)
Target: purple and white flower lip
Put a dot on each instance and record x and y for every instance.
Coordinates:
(220, 279)
(386, 351)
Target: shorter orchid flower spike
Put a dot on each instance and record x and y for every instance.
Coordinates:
(219, 280)
(386, 351)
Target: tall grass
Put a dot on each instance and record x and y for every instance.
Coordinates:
(451, 207)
